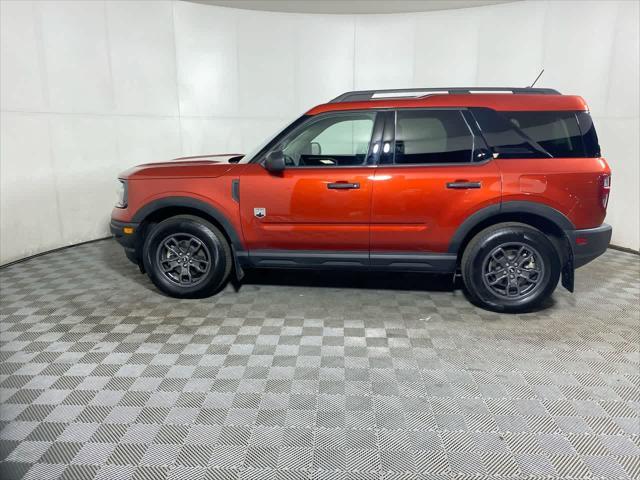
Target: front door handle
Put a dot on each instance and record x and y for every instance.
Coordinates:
(343, 186)
(462, 184)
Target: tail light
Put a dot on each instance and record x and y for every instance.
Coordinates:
(605, 188)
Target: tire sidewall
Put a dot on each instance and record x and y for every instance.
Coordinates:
(216, 275)
(527, 236)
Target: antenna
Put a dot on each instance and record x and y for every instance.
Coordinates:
(537, 78)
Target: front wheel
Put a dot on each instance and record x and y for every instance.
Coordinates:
(510, 267)
(187, 257)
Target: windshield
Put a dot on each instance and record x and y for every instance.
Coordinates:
(249, 156)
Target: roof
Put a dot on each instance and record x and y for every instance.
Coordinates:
(509, 99)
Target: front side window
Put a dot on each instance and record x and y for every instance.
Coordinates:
(432, 136)
(337, 140)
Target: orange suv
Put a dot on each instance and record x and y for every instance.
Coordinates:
(505, 186)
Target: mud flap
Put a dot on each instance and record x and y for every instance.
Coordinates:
(568, 271)
(238, 268)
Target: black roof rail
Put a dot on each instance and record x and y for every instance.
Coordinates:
(395, 93)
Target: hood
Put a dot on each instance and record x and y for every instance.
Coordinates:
(200, 166)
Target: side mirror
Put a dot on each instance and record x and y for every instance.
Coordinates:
(274, 162)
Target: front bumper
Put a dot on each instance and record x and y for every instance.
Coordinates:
(589, 244)
(127, 238)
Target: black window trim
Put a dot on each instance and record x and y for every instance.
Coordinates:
(472, 132)
(307, 119)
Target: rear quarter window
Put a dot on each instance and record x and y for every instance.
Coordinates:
(589, 135)
(557, 132)
(539, 134)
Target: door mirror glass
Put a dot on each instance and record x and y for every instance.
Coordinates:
(274, 162)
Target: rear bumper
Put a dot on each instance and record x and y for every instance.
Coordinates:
(589, 244)
(128, 240)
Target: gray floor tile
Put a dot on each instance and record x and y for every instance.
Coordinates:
(311, 375)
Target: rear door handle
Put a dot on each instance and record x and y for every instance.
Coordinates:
(343, 186)
(461, 185)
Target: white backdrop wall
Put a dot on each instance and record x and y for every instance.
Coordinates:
(89, 88)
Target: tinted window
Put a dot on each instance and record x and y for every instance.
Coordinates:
(330, 141)
(557, 132)
(503, 138)
(538, 134)
(589, 136)
(424, 136)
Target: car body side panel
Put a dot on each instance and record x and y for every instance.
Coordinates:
(414, 210)
(300, 212)
(569, 185)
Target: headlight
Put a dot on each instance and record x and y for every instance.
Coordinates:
(121, 191)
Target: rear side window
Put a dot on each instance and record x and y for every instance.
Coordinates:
(557, 132)
(432, 136)
(589, 136)
(538, 134)
(501, 136)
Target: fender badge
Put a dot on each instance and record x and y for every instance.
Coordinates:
(260, 212)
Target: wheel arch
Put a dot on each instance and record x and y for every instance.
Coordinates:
(166, 207)
(543, 217)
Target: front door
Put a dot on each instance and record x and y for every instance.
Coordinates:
(436, 174)
(318, 209)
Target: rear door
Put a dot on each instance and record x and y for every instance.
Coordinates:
(433, 174)
(318, 209)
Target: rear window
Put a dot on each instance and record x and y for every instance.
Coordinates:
(539, 134)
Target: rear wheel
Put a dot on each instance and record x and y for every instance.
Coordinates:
(510, 267)
(187, 257)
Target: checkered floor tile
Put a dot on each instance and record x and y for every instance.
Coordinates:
(309, 375)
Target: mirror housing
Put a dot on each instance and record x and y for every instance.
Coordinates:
(274, 162)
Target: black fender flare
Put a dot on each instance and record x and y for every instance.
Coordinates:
(550, 213)
(192, 203)
(558, 218)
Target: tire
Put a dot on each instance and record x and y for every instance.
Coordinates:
(187, 257)
(487, 278)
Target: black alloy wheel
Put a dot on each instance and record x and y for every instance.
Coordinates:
(187, 257)
(510, 267)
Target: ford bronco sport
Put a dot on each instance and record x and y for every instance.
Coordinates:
(505, 186)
